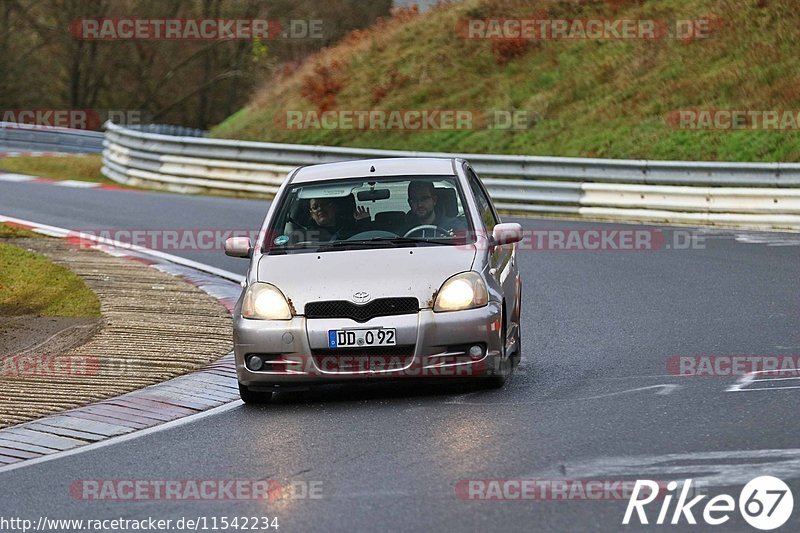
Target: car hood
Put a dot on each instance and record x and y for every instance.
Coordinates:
(338, 275)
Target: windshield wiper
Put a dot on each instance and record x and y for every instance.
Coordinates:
(411, 240)
(345, 243)
(295, 246)
(340, 244)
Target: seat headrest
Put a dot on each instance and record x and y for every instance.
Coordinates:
(299, 212)
(344, 208)
(446, 202)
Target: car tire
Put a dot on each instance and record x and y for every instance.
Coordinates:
(498, 380)
(251, 397)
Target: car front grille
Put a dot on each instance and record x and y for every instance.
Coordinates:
(378, 359)
(364, 312)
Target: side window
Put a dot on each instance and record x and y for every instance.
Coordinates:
(484, 205)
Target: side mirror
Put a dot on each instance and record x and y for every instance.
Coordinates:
(507, 233)
(238, 247)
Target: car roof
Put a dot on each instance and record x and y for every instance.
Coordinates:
(400, 166)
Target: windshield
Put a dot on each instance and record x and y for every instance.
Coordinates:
(370, 213)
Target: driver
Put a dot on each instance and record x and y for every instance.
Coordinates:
(422, 200)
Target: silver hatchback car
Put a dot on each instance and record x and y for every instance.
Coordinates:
(378, 269)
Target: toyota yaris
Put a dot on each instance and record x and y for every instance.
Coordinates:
(378, 269)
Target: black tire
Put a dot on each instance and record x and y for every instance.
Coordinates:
(498, 380)
(251, 397)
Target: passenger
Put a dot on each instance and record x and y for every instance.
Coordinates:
(328, 225)
(422, 199)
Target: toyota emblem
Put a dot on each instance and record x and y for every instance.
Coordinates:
(361, 296)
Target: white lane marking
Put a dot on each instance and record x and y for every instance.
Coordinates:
(665, 388)
(719, 468)
(16, 177)
(123, 438)
(78, 184)
(742, 383)
(61, 232)
(776, 239)
(646, 376)
(766, 389)
(766, 237)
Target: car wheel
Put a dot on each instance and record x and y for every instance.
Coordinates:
(249, 396)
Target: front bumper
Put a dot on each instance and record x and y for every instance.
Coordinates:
(429, 345)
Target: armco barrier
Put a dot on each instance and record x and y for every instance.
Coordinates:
(23, 137)
(763, 195)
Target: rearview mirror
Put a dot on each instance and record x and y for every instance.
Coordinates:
(507, 233)
(238, 247)
(372, 195)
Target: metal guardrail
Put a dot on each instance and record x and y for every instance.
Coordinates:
(24, 137)
(169, 129)
(743, 194)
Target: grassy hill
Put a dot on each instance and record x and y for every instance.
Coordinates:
(591, 98)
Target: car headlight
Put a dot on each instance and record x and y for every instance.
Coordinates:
(265, 302)
(462, 291)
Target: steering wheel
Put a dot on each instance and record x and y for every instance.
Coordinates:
(371, 234)
(437, 231)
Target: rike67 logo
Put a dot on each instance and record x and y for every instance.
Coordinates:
(765, 503)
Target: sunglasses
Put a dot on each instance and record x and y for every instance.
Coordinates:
(320, 206)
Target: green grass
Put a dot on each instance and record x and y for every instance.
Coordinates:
(594, 98)
(9, 231)
(30, 284)
(71, 167)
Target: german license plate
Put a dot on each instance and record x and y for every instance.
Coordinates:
(357, 338)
